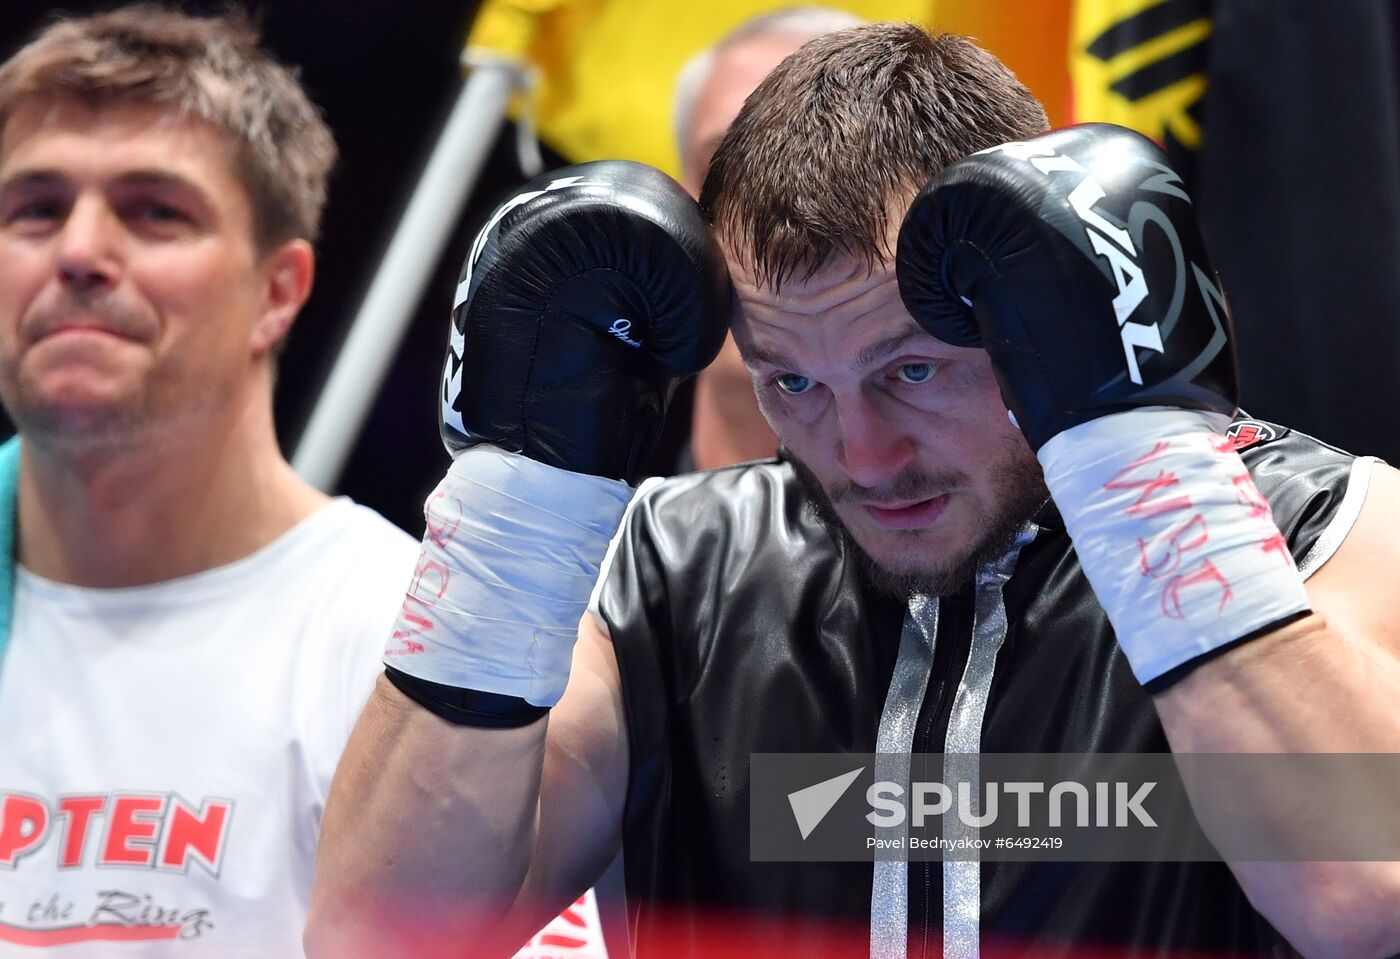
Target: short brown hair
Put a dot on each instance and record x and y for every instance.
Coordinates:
(842, 129)
(208, 67)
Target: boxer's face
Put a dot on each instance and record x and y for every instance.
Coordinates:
(131, 292)
(904, 438)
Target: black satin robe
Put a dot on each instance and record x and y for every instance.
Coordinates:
(740, 627)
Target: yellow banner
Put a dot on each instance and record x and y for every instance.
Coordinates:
(1029, 37)
(1141, 63)
(607, 68)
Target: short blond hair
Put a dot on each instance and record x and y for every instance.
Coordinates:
(211, 68)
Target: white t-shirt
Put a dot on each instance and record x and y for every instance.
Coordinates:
(167, 749)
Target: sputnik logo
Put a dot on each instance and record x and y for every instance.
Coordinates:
(811, 805)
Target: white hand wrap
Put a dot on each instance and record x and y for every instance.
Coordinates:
(510, 553)
(1180, 546)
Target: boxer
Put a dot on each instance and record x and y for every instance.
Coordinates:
(1000, 402)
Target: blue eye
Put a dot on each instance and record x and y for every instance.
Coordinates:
(915, 373)
(792, 384)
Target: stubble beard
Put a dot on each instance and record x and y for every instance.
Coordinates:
(82, 427)
(78, 428)
(1020, 494)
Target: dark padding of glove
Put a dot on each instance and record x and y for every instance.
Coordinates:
(1075, 259)
(582, 302)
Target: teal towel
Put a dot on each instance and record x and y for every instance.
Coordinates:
(9, 507)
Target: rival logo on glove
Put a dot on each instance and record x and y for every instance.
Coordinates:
(1113, 243)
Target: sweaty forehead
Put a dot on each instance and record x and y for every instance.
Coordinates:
(844, 285)
(832, 317)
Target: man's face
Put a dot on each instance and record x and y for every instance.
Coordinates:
(903, 439)
(131, 294)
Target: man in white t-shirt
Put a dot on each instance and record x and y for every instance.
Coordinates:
(192, 629)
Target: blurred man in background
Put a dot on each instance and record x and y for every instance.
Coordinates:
(726, 426)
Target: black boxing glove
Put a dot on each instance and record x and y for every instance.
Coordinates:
(1074, 258)
(582, 301)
